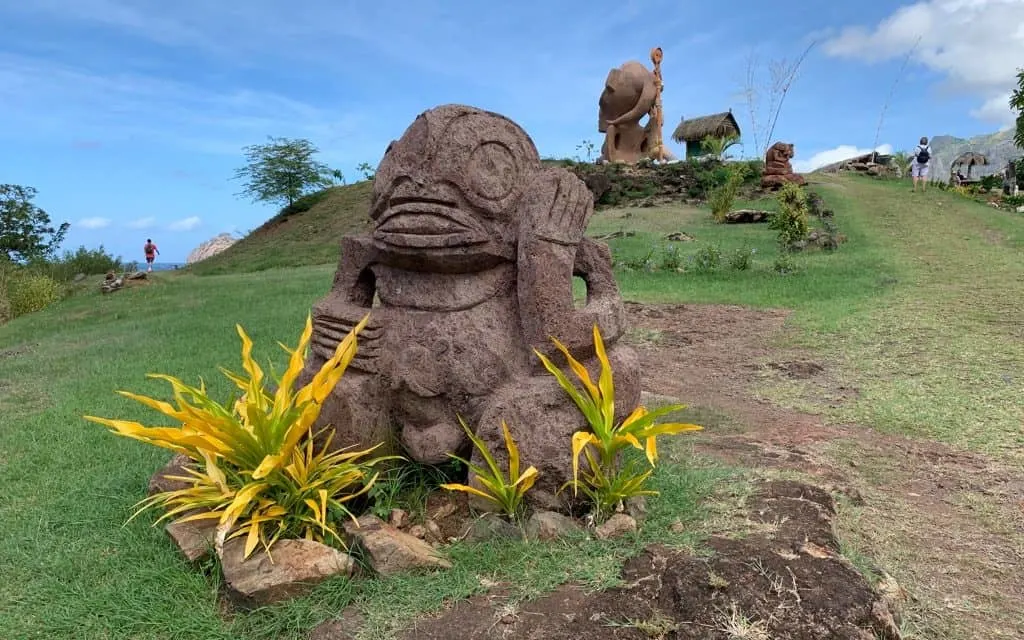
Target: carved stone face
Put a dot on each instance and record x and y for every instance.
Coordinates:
(452, 181)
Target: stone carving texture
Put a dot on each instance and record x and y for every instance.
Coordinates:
(472, 256)
(630, 93)
(777, 166)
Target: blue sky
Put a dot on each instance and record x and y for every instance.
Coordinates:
(129, 116)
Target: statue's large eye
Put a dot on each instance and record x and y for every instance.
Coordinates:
(492, 170)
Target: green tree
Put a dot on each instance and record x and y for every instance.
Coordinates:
(26, 232)
(283, 170)
(716, 147)
(1017, 104)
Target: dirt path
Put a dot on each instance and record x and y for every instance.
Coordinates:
(947, 524)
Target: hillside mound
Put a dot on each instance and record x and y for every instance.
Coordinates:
(308, 231)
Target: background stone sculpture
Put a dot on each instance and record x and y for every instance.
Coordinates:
(472, 255)
(630, 92)
(777, 166)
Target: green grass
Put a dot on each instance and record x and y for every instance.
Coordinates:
(921, 310)
(71, 570)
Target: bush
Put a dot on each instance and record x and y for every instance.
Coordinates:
(258, 474)
(724, 195)
(741, 259)
(791, 218)
(25, 291)
(88, 261)
(671, 258)
(785, 265)
(707, 259)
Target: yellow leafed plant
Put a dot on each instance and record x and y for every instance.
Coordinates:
(258, 473)
(506, 492)
(608, 480)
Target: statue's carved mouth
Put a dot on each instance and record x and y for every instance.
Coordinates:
(425, 224)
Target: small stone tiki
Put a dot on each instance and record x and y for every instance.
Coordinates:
(777, 166)
(472, 256)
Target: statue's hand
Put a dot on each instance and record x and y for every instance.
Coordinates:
(556, 207)
(334, 318)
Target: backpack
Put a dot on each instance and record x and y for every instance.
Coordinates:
(923, 155)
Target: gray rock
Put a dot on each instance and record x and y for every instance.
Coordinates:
(292, 569)
(491, 526)
(617, 526)
(550, 525)
(159, 483)
(391, 551)
(194, 539)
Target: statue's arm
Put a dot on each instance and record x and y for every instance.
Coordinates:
(349, 300)
(552, 250)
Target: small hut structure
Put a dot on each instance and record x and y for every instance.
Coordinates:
(970, 159)
(694, 130)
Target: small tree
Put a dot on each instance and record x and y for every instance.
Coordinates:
(283, 170)
(717, 146)
(26, 232)
(1017, 104)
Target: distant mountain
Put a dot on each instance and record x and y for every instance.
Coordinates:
(997, 147)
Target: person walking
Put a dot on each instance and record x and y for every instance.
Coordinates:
(919, 167)
(151, 253)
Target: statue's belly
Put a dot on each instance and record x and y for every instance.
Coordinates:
(458, 354)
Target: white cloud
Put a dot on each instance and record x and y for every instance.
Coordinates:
(996, 110)
(142, 223)
(94, 223)
(838, 154)
(976, 45)
(186, 224)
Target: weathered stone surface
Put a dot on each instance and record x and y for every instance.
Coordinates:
(194, 539)
(472, 257)
(778, 169)
(159, 483)
(392, 551)
(615, 527)
(210, 248)
(292, 569)
(550, 525)
(491, 526)
(630, 93)
(746, 216)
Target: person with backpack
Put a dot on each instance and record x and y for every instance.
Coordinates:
(151, 253)
(919, 167)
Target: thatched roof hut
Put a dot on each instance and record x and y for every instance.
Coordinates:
(970, 159)
(694, 130)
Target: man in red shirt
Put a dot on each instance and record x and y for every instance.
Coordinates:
(151, 253)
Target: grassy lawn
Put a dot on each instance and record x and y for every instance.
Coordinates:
(71, 570)
(923, 309)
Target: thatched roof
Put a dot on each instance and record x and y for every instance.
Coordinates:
(970, 158)
(719, 125)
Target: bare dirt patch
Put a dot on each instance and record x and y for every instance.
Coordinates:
(949, 524)
(789, 582)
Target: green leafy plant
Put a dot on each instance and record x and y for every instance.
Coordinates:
(671, 258)
(741, 259)
(723, 196)
(28, 292)
(785, 265)
(707, 259)
(505, 491)
(717, 146)
(790, 221)
(607, 479)
(258, 472)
